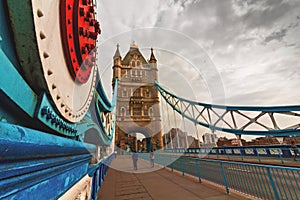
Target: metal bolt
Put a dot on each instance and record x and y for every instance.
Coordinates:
(81, 12)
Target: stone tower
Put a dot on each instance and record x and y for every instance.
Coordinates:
(138, 109)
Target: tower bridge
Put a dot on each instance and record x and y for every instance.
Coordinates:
(59, 131)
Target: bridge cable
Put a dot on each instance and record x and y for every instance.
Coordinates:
(169, 122)
(197, 134)
(185, 132)
(164, 129)
(176, 129)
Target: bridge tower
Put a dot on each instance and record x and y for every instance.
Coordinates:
(138, 107)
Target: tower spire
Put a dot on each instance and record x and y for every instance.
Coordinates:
(152, 57)
(117, 54)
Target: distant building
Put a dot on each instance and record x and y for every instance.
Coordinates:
(177, 138)
(288, 140)
(209, 139)
(224, 142)
(193, 142)
(268, 140)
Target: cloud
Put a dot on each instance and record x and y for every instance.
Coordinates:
(257, 39)
(278, 35)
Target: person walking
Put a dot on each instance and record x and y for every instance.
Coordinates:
(151, 159)
(295, 149)
(135, 157)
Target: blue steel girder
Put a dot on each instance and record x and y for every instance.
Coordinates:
(39, 164)
(105, 111)
(277, 121)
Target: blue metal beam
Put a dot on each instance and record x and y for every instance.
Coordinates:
(33, 162)
(202, 114)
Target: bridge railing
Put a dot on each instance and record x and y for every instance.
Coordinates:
(277, 153)
(258, 181)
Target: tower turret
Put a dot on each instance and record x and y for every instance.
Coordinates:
(117, 64)
(117, 57)
(153, 64)
(152, 57)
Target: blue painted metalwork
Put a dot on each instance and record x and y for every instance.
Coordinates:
(27, 100)
(102, 101)
(43, 166)
(277, 154)
(204, 114)
(46, 114)
(103, 106)
(24, 97)
(198, 171)
(98, 172)
(182, 166)
(257, 181)
(36, 163)
(269, 151)
(224, 177)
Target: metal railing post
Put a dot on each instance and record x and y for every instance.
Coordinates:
(224, 177)
(258, 155)
(280, 156)
(182, 166)
(172, 163)
(198, 170)
(272, 183)
(241, 155)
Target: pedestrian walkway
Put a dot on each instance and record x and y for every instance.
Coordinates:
(123, 183)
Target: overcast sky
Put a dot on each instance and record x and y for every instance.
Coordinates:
(233, 52)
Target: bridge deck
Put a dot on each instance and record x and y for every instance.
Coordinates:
(154, 183)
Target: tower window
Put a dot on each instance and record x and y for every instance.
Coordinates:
(147, 94)
(124, 93)
(151, 112)
(132, 63)
(138, 63)
(133, 73)
(123, 112)
(146, 111)
(137, 111)
(137, 93)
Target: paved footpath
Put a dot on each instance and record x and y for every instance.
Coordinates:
(122, 183)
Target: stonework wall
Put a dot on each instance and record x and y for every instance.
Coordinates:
(138, 106)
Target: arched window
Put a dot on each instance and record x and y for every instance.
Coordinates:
(146, 111)
(124, 93)
(138, 63)
(123, 112)
(133, 63)
(148, 93)
(151, 112)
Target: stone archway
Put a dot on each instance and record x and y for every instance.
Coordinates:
(127, 138)
(146, 142)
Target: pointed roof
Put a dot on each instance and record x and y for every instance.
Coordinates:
(152, 57)
(134, 50)
(117, 54)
